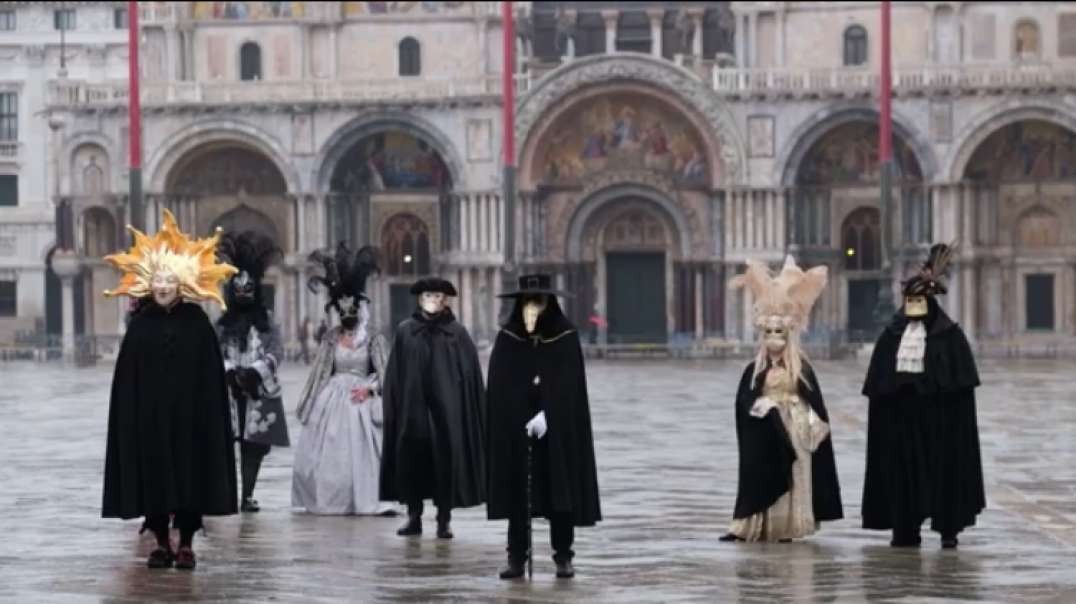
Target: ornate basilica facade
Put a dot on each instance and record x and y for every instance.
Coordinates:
(660, 145)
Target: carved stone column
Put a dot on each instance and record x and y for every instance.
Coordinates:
(696, 39)
(66, 265)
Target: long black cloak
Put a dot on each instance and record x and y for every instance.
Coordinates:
(435, 415)
(923, 458)
(568, 478)
(170, 445)
(766, 452)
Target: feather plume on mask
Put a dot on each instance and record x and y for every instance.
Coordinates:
(783, 301)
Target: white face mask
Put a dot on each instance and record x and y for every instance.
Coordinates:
(776, 339)
(431, 303)
(165, 288)
(915, 307)
(532, 309)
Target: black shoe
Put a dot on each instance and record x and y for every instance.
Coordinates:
(443, 531)
(514, 569)
(949, 542)
(412, 528)
(250, 505)
(185, 559)
(729, 537)
(161, 558)
(906, 540)
(565, 570)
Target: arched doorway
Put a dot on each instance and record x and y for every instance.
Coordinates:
(861, 244)
(634, 244)
(1020, 224)
(405, 253)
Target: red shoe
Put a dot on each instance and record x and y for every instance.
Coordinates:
(185, 558)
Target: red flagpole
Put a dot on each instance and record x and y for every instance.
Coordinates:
(508, 151)
(886, 305)
(134, 115)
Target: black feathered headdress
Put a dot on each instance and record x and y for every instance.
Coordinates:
(930, 279)
(249, 251)
(345, 272)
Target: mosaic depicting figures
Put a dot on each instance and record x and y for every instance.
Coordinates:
(390, 160)
(848, 155)
(1031, 150)
(355, 9)
(248, 10)
(622, 132)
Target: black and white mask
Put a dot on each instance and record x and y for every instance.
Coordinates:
(349, 310)
(244, 288)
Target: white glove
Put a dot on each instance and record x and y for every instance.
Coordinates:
(762, 406)
(536, 428)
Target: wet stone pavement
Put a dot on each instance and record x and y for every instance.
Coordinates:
(667, 468)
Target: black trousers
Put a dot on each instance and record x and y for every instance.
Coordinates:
(561, 536)
(415, 509)
(185, 522)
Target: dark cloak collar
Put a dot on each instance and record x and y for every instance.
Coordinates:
(936, 321)
(431, 324)
(552, 324)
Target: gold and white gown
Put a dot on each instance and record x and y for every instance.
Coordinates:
(792, 515)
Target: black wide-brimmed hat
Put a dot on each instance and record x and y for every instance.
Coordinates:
(535, 284)
(433, 284)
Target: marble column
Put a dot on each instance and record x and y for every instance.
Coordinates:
(752, 40)
(780, 59)
(610, 17)
(66, 265)
(467, 299)
(655, 15)
(700, 328)
(696, 38)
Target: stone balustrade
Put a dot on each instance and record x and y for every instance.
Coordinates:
(9, 149)
(77, 94)
(858, 81)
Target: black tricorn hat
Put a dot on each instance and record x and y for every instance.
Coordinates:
(433, 284)
(538, 283)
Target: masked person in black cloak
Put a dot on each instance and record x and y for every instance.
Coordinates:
(252, 350)
(170, 447)
(435, 413)
(538, 398)
(788, 476)
(923, 458)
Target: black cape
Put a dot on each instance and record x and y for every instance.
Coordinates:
(565, 477)
(923, 458)
(435, 415)
(766, 452)
(170, 445)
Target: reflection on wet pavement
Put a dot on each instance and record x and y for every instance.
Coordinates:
(667, 468)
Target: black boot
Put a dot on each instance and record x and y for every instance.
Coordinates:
(162, 556)
(413, 527)
(949, 541)
(729, 537)
(906, 538)
(444, 518)
(514, 568)
(564, 568)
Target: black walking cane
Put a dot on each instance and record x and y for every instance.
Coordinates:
(530, 521)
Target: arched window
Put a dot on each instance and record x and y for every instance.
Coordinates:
(1026, 40)
(855, 46)
(410, 57)
(250, 62)
(405, 241)
(862, 241)
(99, 233)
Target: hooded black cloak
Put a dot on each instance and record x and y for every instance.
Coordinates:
(565, 477)
(923, 458)
(435, 415)
(170, 445)
(766, 452)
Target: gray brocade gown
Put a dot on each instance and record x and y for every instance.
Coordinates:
(338, 457)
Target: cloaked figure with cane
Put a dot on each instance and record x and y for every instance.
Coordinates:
(541, 448)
